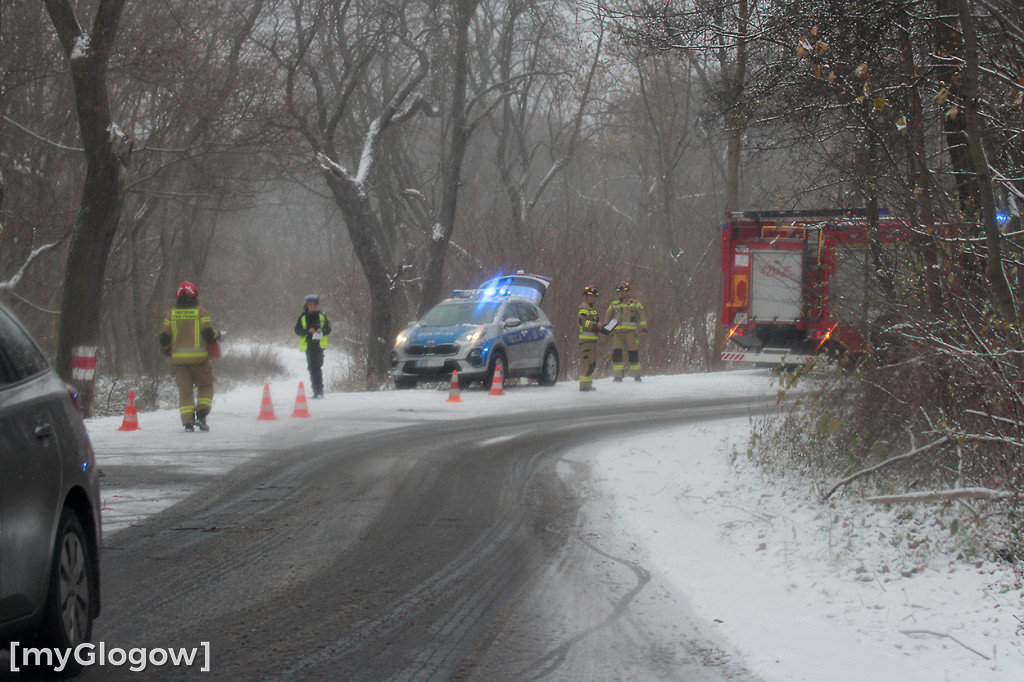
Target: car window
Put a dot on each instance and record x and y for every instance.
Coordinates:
(20, 358)
(512, 310)
(453, 313)
(520, 310)
(529, 312)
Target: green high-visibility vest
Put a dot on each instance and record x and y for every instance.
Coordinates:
(323, 339)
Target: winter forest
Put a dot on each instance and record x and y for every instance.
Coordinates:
(382, 152)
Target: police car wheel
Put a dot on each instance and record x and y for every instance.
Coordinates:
(549, 368)
(499, 358)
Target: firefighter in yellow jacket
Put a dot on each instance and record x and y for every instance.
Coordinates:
(628, 314)
(186, 337)
(590, 326)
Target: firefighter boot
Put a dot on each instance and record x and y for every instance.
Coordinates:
(201, 419)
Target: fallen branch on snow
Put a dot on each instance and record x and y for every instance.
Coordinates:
(941, 495)
(892, 460)
(947, 635)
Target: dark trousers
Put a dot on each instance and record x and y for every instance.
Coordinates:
(315, 363)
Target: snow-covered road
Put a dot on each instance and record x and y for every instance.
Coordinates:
(805, 590)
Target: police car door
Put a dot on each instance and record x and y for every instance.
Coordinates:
(514, 334)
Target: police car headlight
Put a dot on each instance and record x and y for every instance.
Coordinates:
(401, 338)
(473, 336)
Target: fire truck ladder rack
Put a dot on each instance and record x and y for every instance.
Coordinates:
(802, 214)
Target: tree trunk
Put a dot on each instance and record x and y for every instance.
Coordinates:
(364, 229)
(734, 155)
(919, 174)
(737, 122)
(437, 246)
(999, 286)
(106, 153)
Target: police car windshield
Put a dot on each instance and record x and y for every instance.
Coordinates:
(454, 313)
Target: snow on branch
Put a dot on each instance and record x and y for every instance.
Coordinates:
(369, 144)
(995, 418)
(332, 166)
(16, 277)
(81, 48)
(914, 452)
(39, 137)
(419, 104)
(943, 495)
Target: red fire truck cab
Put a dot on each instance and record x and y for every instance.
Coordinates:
(799, 283)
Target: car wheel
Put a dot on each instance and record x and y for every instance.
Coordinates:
(549, 370)
(402, 384)
(67, 618)
(499, 359)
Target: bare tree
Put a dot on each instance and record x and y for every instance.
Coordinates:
(543, 90)
(970, 93)
(107, 151)
(460, 130)
(351, 77)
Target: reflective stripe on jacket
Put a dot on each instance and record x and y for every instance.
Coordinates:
(630, 314)
(590, 322)
(185, 327)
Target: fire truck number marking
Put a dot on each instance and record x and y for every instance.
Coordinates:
(773, 271)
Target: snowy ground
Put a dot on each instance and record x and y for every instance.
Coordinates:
(804, 590)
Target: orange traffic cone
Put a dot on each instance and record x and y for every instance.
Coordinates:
(496, 387)
(453, 393)
(301, 409)
(266, 407)
(131, 415)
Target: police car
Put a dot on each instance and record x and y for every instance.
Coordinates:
(478, 330)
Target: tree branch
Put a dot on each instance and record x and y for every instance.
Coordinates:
(943, 495)
(893, 460)
(16, 277)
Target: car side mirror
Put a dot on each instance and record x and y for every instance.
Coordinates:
(512, 322)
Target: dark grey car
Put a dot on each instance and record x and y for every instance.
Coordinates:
(49, 503)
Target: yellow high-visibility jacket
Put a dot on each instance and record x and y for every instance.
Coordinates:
(629, 312)
(590, 322)
(185, 329)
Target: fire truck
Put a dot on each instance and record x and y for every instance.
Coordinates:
(800, 284)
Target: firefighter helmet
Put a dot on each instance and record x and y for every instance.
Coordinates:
(588, 291)
(188, 289)
(622, 286)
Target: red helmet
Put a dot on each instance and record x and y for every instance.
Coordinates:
(188, 289)
(590, 290)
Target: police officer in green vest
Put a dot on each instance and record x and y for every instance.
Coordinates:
(312, 328)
